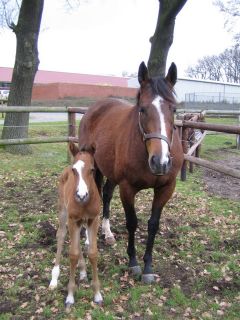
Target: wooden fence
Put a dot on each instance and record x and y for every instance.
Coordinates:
(190, 155)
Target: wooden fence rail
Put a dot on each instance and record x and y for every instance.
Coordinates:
(183, 126)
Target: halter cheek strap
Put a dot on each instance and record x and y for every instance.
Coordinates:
(153, 135)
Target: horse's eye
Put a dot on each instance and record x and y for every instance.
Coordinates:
(142, 110)
(92, 170)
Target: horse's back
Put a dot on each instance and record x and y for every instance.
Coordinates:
(104, 118)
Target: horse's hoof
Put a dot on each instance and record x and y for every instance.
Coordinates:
(98, 299)
(135, 271)
(148, 278)
(110, 241)
(68, 307)
(99, 303)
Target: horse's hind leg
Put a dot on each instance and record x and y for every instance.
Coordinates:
(61, 233)
(127, 195)
(107, 197)
(161, 197)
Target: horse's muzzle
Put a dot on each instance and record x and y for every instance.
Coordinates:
(158, 168)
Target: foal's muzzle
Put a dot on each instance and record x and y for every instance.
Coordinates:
(81, 198)
(157, 167)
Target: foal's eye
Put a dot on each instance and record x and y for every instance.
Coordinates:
(92, 170)
(74, 171)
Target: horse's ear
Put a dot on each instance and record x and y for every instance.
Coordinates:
(142, 73)
(73, 148)
(172, 74)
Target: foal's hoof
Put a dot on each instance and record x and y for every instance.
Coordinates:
(136, 271)
(148, 278)
(110, 241)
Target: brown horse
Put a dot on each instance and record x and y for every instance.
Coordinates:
(79, 203)
(136, 147)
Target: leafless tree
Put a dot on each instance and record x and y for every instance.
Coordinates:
(26, 65)
(224, 67)
(231, 10)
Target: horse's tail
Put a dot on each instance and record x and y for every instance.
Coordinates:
(99, 181)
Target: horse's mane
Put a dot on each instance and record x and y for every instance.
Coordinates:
(160, 87)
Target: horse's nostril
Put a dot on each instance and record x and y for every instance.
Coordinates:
(155, 161)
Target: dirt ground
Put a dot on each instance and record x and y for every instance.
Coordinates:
(220, 184)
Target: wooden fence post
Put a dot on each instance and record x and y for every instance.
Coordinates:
(71, 129)
(185, 149)
(238, 136)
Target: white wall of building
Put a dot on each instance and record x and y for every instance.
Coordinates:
(202, 90)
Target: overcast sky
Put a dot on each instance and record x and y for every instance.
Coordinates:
(111, 36)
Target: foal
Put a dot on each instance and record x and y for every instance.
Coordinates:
(79, 203)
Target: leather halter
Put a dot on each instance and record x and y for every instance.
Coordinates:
(153, 135)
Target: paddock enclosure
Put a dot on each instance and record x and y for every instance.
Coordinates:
(197, 250)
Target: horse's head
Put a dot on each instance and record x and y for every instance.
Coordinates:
(156, 105)
(82, 168)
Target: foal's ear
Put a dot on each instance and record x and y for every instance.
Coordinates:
(73, 148)
(172, 74)
(142, 73)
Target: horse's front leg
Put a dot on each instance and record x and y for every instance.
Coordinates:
(161, 197)
(127, 194)
(107, 197)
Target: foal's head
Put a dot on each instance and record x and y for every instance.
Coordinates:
(156, 105)
(83, 169)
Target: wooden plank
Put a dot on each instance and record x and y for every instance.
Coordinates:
(211, 127)
(5, 142)
(210, 111)
(33, 109)
(194, 147)
(214, 166)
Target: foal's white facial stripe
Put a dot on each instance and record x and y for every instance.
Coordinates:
(165, 152)
(82, 189)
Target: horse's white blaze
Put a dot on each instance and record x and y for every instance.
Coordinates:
(55, 275)
(165, 152)
(106, 228)
(82, 189)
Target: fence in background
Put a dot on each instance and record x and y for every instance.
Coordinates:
(185, 124)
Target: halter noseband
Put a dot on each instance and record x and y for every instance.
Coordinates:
(153, 135)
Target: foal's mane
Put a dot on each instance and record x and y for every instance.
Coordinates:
(160, 87)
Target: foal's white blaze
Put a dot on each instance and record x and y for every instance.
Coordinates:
(165, 152)
(82, 189)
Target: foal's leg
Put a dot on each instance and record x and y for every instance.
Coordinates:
(107, 197)
(161, 197)
(81, 262)
(127, 195)
(61, 233)
(93, 257)
(74, 252)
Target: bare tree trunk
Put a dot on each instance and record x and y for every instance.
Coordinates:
(25, 68)
(162, 39)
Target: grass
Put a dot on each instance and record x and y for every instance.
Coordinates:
(196, 253)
